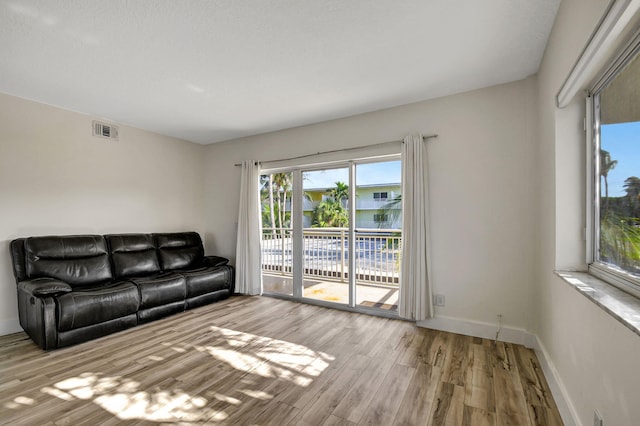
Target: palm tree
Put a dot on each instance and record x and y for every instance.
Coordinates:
(606, 165)
(632, 186)
(271, 212)
(330, 214)
(393, 210)
(266, 193)
(281, 187)
(340, 193)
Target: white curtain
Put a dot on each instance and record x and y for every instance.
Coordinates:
(415, 291)
(248, 252)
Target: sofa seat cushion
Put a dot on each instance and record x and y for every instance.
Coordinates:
(160, 289)
(207, 280)
(93, 305)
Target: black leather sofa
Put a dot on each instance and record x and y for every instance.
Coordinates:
(76, 288)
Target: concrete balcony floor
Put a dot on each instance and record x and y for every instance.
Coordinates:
(369, 295)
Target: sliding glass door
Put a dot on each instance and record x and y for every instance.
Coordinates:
(378, 234)
(325, 234)
(277, 244)
(332, 235)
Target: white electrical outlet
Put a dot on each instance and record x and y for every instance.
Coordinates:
(597, 420)
(438, 299)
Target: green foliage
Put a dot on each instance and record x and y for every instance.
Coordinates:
(275, 190)
(330, 214)
(340, 193)
(620, 241)
(619, 221)
(632, 187)
(266, 217)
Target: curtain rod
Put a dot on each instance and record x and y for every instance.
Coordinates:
(338, 150)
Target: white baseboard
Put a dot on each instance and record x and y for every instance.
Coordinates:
(480, 329)
(560, 394)
(9, 326)
(517, 336)
(468, 328)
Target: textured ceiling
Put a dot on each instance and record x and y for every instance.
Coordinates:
(208, 71)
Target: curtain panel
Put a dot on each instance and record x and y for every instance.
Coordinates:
(415, 300)
(248, 250)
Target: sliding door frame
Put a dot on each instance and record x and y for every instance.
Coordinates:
(297, 234)
(297, 213)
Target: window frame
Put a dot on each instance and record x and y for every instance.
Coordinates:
(601, 270)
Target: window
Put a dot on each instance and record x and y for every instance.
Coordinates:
(616, 172)
(380, 218)
(380, 196)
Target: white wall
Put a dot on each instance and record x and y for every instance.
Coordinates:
(56, 178)
(507, 198)
(596, 358)
(482, 186)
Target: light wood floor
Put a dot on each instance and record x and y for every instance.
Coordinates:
(258, 360)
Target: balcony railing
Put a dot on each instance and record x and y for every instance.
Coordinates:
(326, 253)
(361, 204)
(370, 204)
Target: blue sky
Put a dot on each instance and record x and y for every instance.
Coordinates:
(366, 174)
(623, 143)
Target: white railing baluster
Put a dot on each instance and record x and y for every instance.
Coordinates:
(342, 255)
(377, 253)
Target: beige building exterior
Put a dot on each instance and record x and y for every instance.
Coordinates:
(370, 199)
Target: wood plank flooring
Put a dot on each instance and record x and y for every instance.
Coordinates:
(258, 360)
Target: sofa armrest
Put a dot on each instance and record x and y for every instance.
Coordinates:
(42, 287)
(37, 309)
(215, 261)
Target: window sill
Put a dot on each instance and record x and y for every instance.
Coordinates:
(622, 306)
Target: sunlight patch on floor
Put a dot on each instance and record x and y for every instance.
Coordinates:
(123, 398)
(257, 394)
(268, 357)
(254, 357)
(19, 401)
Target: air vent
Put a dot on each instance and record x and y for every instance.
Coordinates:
(104, 130)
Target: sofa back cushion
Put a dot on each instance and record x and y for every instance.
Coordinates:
(133, 255)
(180, 250)
(78, 260)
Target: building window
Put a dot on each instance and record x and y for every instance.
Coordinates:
(616, 172)
(380, 218)
(380, 196)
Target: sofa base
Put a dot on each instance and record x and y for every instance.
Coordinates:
(71, 337)
(157, 312)
(205, 299)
